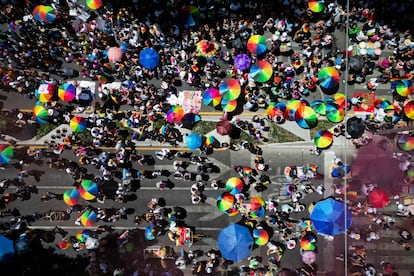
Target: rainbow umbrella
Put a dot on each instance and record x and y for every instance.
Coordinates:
(45, 92)
(230, 89)
(308, 241)
(234, 185)
(291, 107)
(409, 110)
(242, 62)
(225, 201)
(6, 154)
(228, 105)
(211, 141)
(83, 234)
(40, 113)
(341, 100)
(94, 4)
(382, 103)
(260, 212)
(261, 236)
(88, 189)
(233, 211)
(306, 117)
(67, 92)
(78, 123)
(212, 97)
(329, 77)
(307, 225)
(163, 130)
(272, 111)
(257, 44)
(71, 197)
(323, 139)
(191, 15)
(44, 13)
(193, 141)
(207, 48)
(319, 106)
(257, 202)
(88, 218)
(402, 87)
(405, 142)
(410, 173)
(334, 114)
(261, 71)
(316, 5)
(175, 114)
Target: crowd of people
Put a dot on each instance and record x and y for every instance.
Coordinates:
(34, 52)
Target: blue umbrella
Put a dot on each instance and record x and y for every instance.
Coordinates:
(193, 141)
(7, 250)
(340, 171)
(235, 242)
(331, 217)
(149, 58)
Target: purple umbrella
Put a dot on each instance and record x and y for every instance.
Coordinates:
(242, 62)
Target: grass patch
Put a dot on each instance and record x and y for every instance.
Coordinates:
(278, 134)
(44, 129)
(245, 137)
(204, 127)
(322, 125)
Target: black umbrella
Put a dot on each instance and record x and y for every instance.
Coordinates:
(180, 212)
(190, 120)
(355, 127)
(356, 63)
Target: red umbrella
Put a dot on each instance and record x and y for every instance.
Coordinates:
(378, 198)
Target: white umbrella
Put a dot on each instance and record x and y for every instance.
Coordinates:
(308, 257)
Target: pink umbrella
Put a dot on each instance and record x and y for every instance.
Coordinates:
(114, 54)
(308, 257)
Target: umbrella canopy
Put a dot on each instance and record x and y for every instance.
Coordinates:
(211, 141)
(234, 185)
(235, 242)
(378, 198)
(331, 217)
(329, 78)
(261, 71)
(225, 201)
(403, 88)
(306, 117)
(323, 139)
(175, 114)
(88, 218)
(356, 63)
(261, 236)
(207, 48)
(257, 44)
(189, 120)
(88, 189)
(409, 110)
(40, 113)
(71, 197)
(212, 97)
(242, 62)
(308, 257)
(228, 105)
(191, 15)
(307, 225)
(78, 123)
(355, 127)
(67, 92)
(94, 4)
(7, 250)
(230, 89)
(83, 234)
(45, 92)
(224, 127)
(308, 241)
(44, 13)
(6, 154)
(149, 58)
(340, 171)
(405, 142)
(193, 141)
(114, 54)
(257, 202)
(334, 113)
(319, 106)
